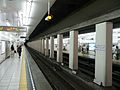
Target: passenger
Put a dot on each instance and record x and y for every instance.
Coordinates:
(117, 52)
(79, 48)
(94, 52)
(113, 52)
(12, 50)
(83, 49)
(87, 48)
(19, 50)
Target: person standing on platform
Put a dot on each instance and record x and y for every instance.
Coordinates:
(87, 49)
(19, 50)
(12, 50)
(117, 51)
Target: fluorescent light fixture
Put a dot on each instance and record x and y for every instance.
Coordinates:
(18, 23)
(27, 11)
(7, 22)
(29, 0)
(21, 19)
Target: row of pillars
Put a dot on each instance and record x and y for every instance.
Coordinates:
(103, 58)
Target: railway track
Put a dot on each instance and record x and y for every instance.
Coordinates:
(58, 78)
(87, 66)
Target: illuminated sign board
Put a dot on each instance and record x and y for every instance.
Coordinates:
(7, 28)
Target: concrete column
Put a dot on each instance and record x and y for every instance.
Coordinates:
(40, 45)
(103, 59)
(43, 46)
(6, 46)
(73, 51)
(46, 47)
(59, 48)
(51, 47)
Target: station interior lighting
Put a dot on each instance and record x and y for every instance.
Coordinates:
(49, 17)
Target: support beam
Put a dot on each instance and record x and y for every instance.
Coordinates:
(40, 46)
(51, 47)
(73, 52)
(103, 59)
(60, 48)
(46, 46)
(43, 47)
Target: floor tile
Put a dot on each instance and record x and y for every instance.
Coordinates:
(10, 74)
(3, 88)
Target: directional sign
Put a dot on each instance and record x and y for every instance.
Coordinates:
(8, 28)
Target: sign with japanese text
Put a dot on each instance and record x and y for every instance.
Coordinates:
(8, 28)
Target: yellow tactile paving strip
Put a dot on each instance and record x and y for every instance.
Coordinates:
(23, 80)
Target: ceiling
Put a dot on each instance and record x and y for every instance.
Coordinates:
(68, 13)
(29, 15)
(23, 14)
(38, 9)
(60, 10)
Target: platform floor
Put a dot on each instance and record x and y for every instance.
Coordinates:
(14, 74)
(10, 73)
(40, 80)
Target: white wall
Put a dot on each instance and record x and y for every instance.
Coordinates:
(34, 44)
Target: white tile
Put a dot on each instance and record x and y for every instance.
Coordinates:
(13, 87)
(5, 81)
(15, 80)
(4, 84)
(14, 84)
(5, 78)
(3, 88)
(10, 74)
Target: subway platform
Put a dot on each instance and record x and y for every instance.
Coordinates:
(15, 74)
(91, 55)
(78, 81)
(10, 73)
(25, 74)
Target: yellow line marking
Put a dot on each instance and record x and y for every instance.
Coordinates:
(23, 80)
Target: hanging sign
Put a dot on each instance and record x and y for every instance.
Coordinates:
(7, 28)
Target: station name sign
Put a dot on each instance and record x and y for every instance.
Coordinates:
(8, 28)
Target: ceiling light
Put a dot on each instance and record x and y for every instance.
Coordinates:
(8, 24)
(49, 17)
(27, 11)
(30, 0)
